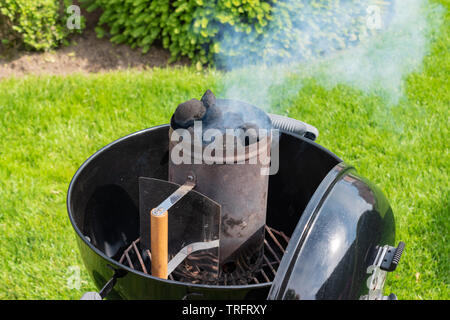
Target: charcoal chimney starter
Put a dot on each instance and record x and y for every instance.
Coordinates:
(236, 179)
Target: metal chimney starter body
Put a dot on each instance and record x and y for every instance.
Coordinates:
(241, 190)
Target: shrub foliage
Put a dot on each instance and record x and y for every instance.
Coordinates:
(229, 31)
(35, 24)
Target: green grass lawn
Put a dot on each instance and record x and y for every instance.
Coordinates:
(50, 125)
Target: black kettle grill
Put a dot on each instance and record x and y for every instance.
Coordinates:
(329, 233)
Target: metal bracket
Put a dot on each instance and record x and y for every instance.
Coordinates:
(187, 250)
(193, 223)
(386, 260)
(171, 200)
(392, 257)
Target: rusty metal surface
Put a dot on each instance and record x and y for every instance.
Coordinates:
(241, 190)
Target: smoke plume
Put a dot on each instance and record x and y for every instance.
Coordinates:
(367, 44)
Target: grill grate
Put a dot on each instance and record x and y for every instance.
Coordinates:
(275, 243)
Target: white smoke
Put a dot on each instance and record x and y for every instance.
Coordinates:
(380, 64)
(376, 62)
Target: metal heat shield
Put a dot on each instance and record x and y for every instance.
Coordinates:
(194, 227)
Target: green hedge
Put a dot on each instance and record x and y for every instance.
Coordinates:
(231, 31)
(34, 24)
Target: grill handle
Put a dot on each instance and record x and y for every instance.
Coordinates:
(294, 126)
(92, 295)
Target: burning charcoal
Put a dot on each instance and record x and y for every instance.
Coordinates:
(209, 99)
(248, 133)
(213, 118)
(249, 125)
(188, 112)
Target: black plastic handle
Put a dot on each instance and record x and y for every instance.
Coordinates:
(392, 257)
(92, 295)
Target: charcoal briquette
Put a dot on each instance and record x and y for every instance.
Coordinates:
(188, 112)
(208, 99)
